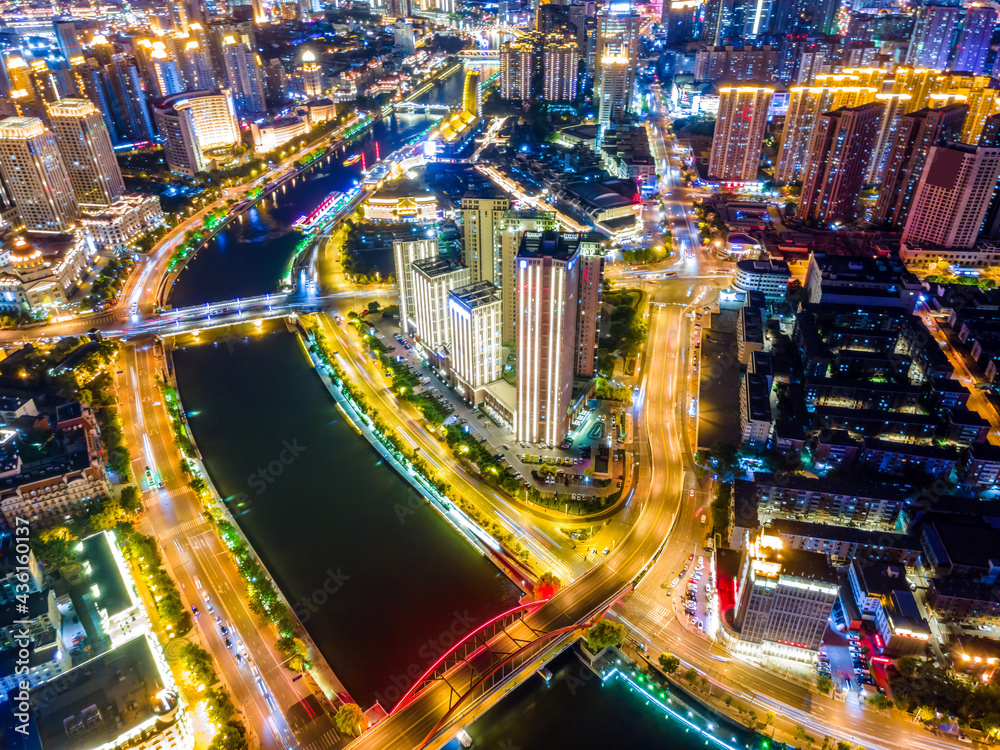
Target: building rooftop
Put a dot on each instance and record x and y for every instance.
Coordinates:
(778, 267)
(557, 245)
(838, 486)
(101, 700)
(439, 265)
(476, 295)
(105, 583)
(845, 534)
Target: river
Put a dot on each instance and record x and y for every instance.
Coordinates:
(380, 581)
(248, 257)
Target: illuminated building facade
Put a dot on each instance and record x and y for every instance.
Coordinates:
(433, 280)
(35, 176)
(784, 598)
(480, 217)
(89, 158)
(405, 253)
(200, 127)
(518, 60)
(952, 195)
(739, 132)
(560, 66)
(312, 76)
(841, 151)
(474, 313)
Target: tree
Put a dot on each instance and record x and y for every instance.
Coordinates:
(691, 675)
(547, 585)
(605, 633)
(824, 684)
(197, 664)
(107, 516)
(130, 500)
(350, 719)
(669, 663)
(879, 701)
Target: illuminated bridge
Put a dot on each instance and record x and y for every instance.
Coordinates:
(480, 55)
(418, 107)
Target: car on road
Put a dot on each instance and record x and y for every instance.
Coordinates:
(195, 609)
(229, 643)
(223, 629)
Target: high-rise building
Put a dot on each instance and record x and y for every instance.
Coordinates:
(517, 70)
(480, 217)
(165, 73)
(404, 36)
(550, 266)
(275, 82)
(311, 75)
(739, 132)
(974, 40)
(952, 195)
(472, 93)
(611, 87)
(615, 52)
(510, 228)
(757, 17)
(717, 20)
(35, 177)
(198, 127)
(840, 153)
(785, 597)
(983, 102)
(917, 132)
(405, 253)
(560, 69)
(895, 106)
(934, 36)
(475, 348)
(433, 279)
(66, 36)
(44, 81)
(89, 158)
(195, 56)
(805, 106)
(588, 319)
(243, 74)
(132, 119)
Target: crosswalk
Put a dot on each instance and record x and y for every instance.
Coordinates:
(328, 739)
(184, 529)
(650, 605)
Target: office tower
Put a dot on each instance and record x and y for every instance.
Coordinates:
(165, 73)
(403, 37)
(405, 253)
(611, 87)
(757, 17)
(472, 93)
(717, 20)
(739, 131)
(243, 73)
(548, 274)
(974, 40)
(67, 39)
(840, 150)
(35, 176)
(91, 85)
(474, 313)
(895, 106)
(952, 195)
(197, 125)
(275, 82)
(401, 8)
(433, 279)
(616, 50)
(480, 217)
(517, 70)
(917, 132)
(933, 36)
(85, 146)
(195, 54)
(805, 105)
(132, 118)
(510, 229)
(312, 76)
(785, 596)
(44, 82)
(560, 68)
